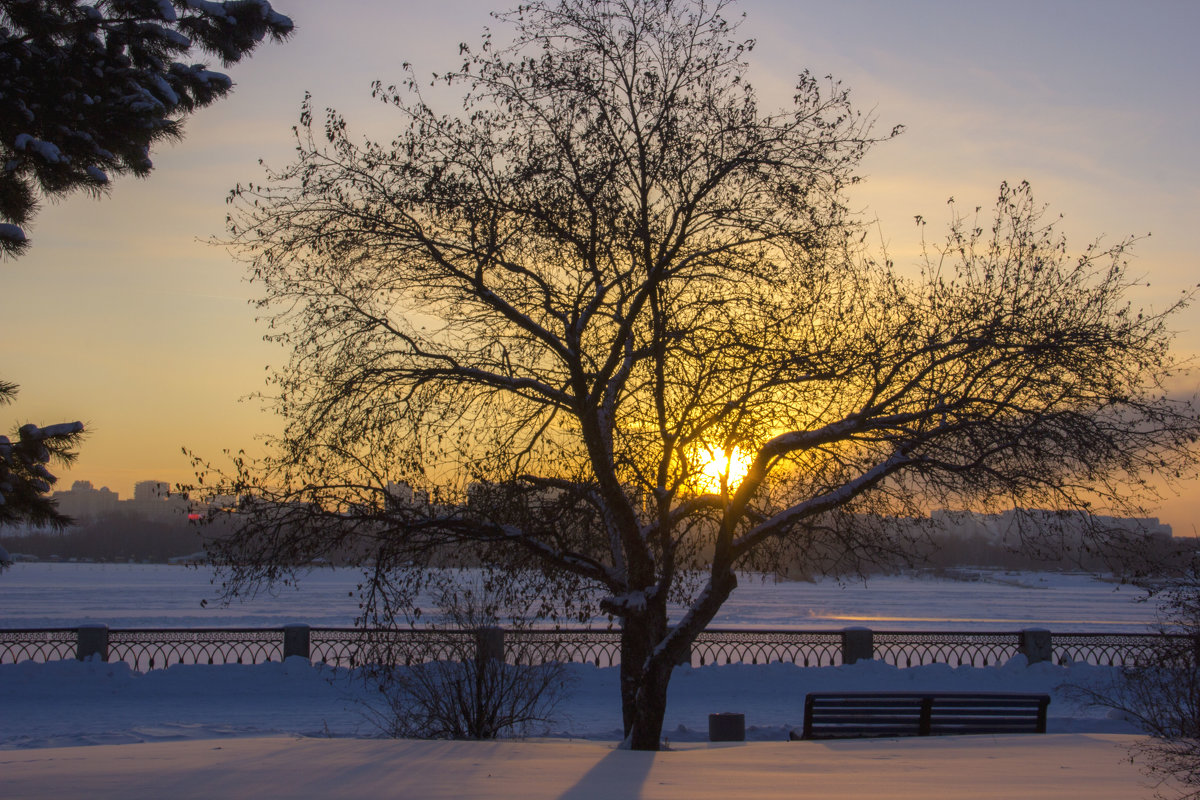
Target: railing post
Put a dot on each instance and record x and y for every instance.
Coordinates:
(91, 640)
(858, 644)
(295, 641)
(1037, 645)
(489, 645)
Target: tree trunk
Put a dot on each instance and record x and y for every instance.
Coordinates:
(644, 679)
(633, 659)
(646, 664)
(651, 706)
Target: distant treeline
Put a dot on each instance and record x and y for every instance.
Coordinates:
(1144, 556)
(127, 536)
(114, 537)
(1132, 558)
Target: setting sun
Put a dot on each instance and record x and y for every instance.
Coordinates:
(731, 465)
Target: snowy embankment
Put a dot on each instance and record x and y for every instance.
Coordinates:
(1052, 767)
(264, 731)
(70, 703)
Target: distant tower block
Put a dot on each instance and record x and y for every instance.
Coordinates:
(150, 491)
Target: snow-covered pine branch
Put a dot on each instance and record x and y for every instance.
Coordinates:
(25, 480)
(87, 90)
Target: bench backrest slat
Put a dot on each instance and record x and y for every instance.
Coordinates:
(857, 714)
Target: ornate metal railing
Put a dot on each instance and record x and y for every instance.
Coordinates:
(56, 644)
(804, 648)
(152, 649)
(351, 647)
(580, 645)
(348, 647)
(917, 648)
(1109, 649)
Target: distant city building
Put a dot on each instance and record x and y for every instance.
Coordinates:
(1005, 527)
(153, 500)
(401, 495)
(150, 491)
(84, 503)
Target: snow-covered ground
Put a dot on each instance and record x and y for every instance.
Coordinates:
(293, 730)
(1054, 767)
(69, 703)
(146, 596)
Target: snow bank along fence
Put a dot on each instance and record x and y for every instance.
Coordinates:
(154, 649)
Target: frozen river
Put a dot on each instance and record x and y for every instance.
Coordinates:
(159, 596)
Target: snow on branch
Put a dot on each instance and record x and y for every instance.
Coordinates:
(24, 477)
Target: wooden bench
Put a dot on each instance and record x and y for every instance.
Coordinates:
(864, 714)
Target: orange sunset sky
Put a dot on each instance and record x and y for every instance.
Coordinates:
(122, 316)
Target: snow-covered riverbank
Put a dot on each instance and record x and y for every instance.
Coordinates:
(147, 596)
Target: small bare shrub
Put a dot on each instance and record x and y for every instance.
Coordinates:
(467, 693)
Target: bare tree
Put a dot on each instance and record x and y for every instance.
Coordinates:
(610, 326)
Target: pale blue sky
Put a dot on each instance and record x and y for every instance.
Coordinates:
(121, 316)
